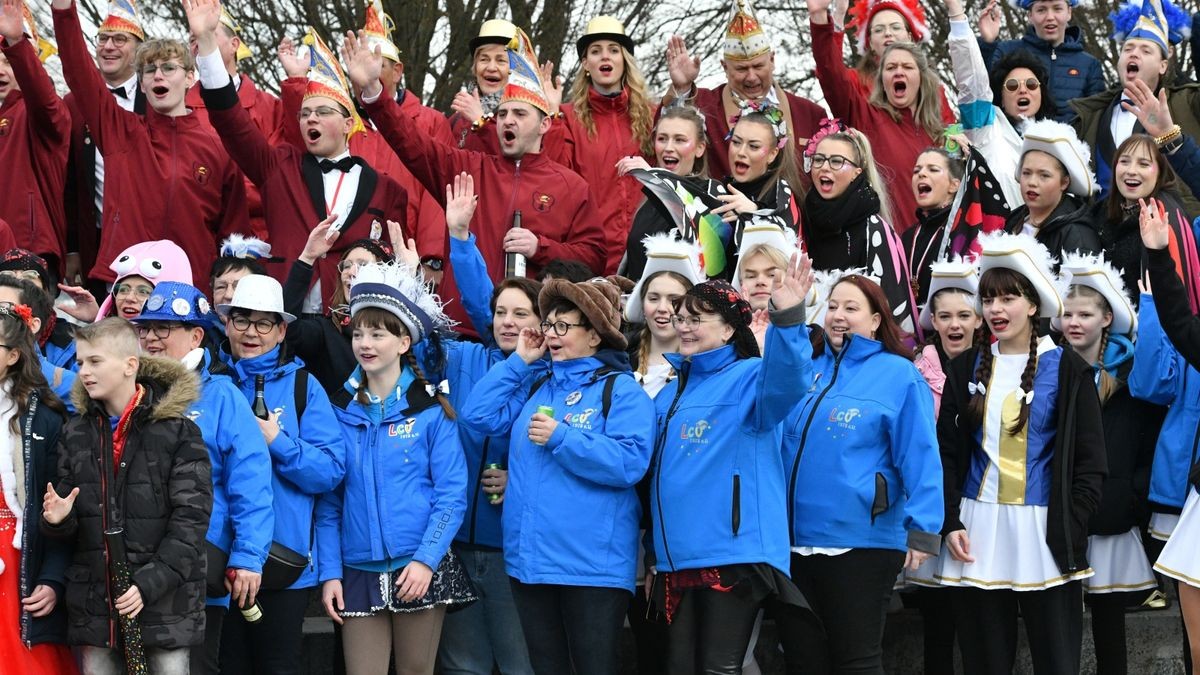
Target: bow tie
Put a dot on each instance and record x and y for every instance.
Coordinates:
(119, 92)
(344, 165)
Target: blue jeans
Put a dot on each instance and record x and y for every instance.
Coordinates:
(487, 631)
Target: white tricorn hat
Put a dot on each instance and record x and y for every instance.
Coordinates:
(1060, 142)
(1093, 271)
(665, 253)
(944, 274)
(1023, 254)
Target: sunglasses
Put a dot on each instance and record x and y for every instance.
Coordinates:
(1030, 83)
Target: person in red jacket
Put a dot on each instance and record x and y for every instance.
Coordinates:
(117, 40)
(472, 118)
(264, 108)
(558, 218)
(35, 136)
(165, 174)
(609, 117)
(300, 187)
(749, 64)
(903, 113)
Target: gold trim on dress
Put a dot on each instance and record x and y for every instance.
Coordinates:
(1033, 586)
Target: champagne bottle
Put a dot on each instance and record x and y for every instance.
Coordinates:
(514, 263)
(260, 402)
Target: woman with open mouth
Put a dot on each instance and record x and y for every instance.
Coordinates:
(1023, 455)
(472, 109)
(864, 482)
(1099, 322)
(1057, 185)
(936, 178)
(609, 116)
(137, 270)
(846, 216)
(902, 114)
(1141, 172)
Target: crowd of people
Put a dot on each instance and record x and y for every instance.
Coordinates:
(491, 382)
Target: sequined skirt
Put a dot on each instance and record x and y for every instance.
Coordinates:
(369, 593)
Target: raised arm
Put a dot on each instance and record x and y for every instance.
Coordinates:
(1174, 312)
(47, 111)
(839, 83)
(787, 366)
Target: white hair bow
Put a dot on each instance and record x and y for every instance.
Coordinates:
(977, 388)
(442, 387)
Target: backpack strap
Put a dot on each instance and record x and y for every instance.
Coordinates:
(610, 378)
(300, 392)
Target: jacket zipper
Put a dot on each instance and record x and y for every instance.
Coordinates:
(104, 525)
(662, 446)
(478, 490)
(791, 505)
(375, 470)
(174, 172)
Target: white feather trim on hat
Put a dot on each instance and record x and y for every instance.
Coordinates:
(958, 273)
(1060, 141)
(1093, 271)
(667, 252)
(1025, 255)
(240, 246)
(382, 285)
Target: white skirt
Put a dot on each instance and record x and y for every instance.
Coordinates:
(925, 575)
(1162, 525)
(1180, 558)
(1008, 542)
(1120, 563)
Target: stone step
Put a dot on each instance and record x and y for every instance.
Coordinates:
(1154, 640)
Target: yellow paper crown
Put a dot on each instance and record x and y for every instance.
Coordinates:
(45, 48)
(326, 78)
(243, 51)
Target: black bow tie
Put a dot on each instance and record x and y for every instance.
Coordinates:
(119, 92)
(344, 165)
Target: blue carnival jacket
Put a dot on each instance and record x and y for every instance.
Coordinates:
(304, 464)
(717, 485)
(406, 481)
(1073, 72)
(1160, 375)
(61, 381)
(861, 454)
(571, 510)
(242, 520)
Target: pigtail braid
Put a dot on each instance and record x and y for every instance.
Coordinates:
(1108, 383)
(983, 376)
(1027, 380)
(424, 382)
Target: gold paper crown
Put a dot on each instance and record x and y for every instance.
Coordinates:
(243, 51)
(123, 17)
(378, 28)
(745, 38)
(325, 77)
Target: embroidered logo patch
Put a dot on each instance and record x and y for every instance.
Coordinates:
(543, 202)
(845, 418)
(4, 127)
(580, 420)
(200, 173)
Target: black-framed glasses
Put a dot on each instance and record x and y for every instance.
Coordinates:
(321, 111)
(162, 331)
(141, 291)
(836, 162)
(118, 39)
(243, 323)
(168, 69)
(1014, 84)
(692, 321)
(560, 327)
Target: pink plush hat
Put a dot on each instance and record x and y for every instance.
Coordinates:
(156, 261)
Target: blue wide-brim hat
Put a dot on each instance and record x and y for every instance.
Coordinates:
(178, 302)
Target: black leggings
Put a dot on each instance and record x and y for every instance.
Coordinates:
(272, 646)
(849, 594)
(987, 628)
(710, 632)
(937, 619)
(1108, 630)
(571, 629)
(649, 635)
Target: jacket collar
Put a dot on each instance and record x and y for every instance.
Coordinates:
(1071, 40)
(710, 361)
(602, 104)
(855, 348)
(269, 364)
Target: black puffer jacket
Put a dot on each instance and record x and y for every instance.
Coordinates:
(162, 496)
(1069, 228)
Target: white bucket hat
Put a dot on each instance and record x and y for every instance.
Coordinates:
(665, 253)
(257, 293)
(1095, 272)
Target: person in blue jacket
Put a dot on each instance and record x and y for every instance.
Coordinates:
(387, 571)
(307, 460)
(1073, 72)
(16, 291)
(172, 325)
(580, 440)
(864, 482)
(489, 631)
(55, 338)
(717, 501)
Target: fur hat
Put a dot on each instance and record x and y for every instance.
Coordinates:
(1025, 255)
(864, 10)
(745, 38)
(1093, 271)
(1060, 142)
(664, 253)
(598, 300)
(954, 273)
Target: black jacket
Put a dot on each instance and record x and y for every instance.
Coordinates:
(1077, 469)
(316, 340)
(1131, 429)
(1069, 228)
(161, 495)
(43, 560)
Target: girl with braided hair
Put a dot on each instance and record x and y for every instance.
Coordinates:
(1023, 455)
(1098, 320)
(383, 536)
